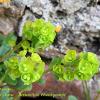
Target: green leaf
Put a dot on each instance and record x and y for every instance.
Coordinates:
(2, 70)
(20, 86)
(4, 49)
(9, 81)
(10, 40)
(2, 37)
(35, 39)
(71, 97)
(42, 81)
(55, 61)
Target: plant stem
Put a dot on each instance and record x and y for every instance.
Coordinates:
(86, 90)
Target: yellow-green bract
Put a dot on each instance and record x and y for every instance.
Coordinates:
(40, 32)
(28, 69)
(81, 67)
(88, 65)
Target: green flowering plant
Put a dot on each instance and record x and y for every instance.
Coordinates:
(80, 67)
(41, 33)
(90, 63)
(24, 68)
(21, 65)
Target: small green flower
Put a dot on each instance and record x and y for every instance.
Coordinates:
(69, 75)
(69, 57)
(83, 76)
(91, 57)
(81, 67)
(25, 45)
(27, 78)
(26, 65)
(40, 32)
(88, 65)
(12, 63)
(14, 73)
(58, 69)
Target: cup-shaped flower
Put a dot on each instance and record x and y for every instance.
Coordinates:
(29, 78)
(12, 63)
(69, 57)
(26, 65)
(58, 69)
(88, 65)
(14, 73)
(40, 32)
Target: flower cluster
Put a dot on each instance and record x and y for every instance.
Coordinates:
(81, 67)
(88, 65)
(40, 32)
(28, 69)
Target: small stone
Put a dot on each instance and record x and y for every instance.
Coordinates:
(6, 25)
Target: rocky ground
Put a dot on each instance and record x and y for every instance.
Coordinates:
(80, 21)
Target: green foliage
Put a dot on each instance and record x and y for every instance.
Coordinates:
(40, 32)
(42, 81)
(25, 45)
(2, 37)
(7, 43)
(10, 81)
(81, 67)
(10, 40)
(2, 70)
(71, 97)
(20, 65)
(20, 86)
